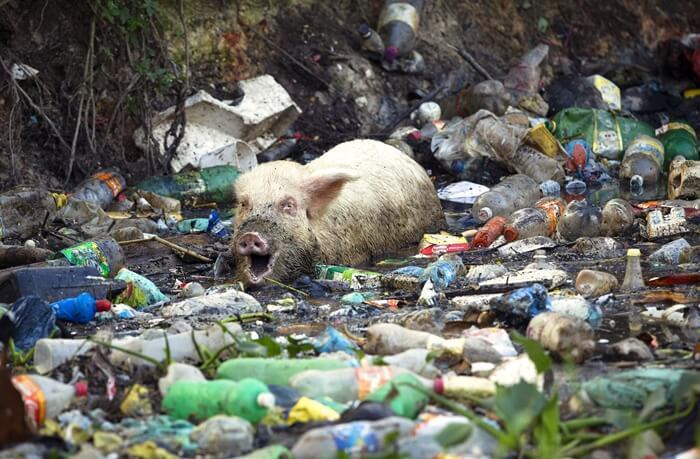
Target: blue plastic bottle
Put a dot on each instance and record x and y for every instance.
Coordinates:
(80, 309)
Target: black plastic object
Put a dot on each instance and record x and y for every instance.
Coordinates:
(33, 319)
(56, 283)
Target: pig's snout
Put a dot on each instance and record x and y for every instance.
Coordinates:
(252, 244)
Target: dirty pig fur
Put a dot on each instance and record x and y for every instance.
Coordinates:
(360, 199)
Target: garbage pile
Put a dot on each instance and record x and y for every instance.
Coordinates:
(273, 310)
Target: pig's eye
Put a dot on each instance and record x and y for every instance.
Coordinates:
(288, 206)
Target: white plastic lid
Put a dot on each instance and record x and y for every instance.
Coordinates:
(266, 399)
(485, 213)
(634, 253)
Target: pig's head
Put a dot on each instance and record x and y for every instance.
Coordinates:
(278, 204)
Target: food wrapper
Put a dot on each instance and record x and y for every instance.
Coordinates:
(438, 244)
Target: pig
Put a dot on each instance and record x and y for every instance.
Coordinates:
(359, 200)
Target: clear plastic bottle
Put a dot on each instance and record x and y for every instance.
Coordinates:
(533, 163)
(617, 218)
(101, 188)
(579, 220)
(633, 272)
(511, 194)
(398, 27)
(346, 384)
(590, 283)
(524, 77)
(351, 438)
(45, 398)
(644, 157)
(540, 220)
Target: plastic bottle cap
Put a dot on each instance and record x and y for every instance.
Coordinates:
(485, 214)
(266, 399)
(391, 53)
(439, 386)
(81, 389)
(634, 253)
(414, 135)
(364, 30)
(103, 305)
(510, 234)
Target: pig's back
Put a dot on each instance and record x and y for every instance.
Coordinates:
(391, 205)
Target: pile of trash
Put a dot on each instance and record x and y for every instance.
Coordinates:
(556, 314)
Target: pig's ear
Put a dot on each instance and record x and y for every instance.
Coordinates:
(321, 188)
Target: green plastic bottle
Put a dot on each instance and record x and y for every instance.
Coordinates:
(248, 398)
(403, 399)
(211, 184)
(274, 371)
(679, 139)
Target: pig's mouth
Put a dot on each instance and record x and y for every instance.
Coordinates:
(259, 266)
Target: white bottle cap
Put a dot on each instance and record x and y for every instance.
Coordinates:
(634, 253)
(485, 214)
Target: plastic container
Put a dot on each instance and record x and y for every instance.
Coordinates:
(524, 77)
(216, 227)
(590, 283)
(398, 25)
(540, 220)
(401, 397)
(81, 309)
(633, 272)
(101, 188)
(617, 218)
(45, 398)
(210, 184)
(104, 254)
(565, 335)
(679, 139)
(51, 353)
(644, 157)
(579, 220)
(488, 233)
(670, 254)
(346, 384)
(275, 371)
(248, 398)
(512, 193)
(464, 387)
(367, 437)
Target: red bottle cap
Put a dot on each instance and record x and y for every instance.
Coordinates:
(391, 53)
(81, 389)
(510, 233)
(439, 386)
(103, 305)
(415, 136)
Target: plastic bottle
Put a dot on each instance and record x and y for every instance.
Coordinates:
(45, 398)
(81, 309)
(633, 272)
(579, 220)
(644, 157)
(511, 194)
(464, 387)
(275, 371)
(590, 283)
(427, 132)
(415, 360)
(279, 150)
(524, 302)
(563, 334)
(372, 43)
(179, 372)
(248, 398)
(443, 271)
(398, 26)
(104, 254)
(101, 188)
(211, 184)
(679, 139)
(533, 163)
(524, 77)
(216, 227)
(403, 399)
(540, 220)
(670, 253)
(346, 384)
(489, 232)
(23, 211)
(617, 218)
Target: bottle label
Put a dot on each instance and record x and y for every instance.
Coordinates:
(452, 346)
(553, 211)
(647, 146)
(371, 378)
(112, 182)
(403, 12)
(676, 125)
(355, 439)
(87, 254)
(33, 398)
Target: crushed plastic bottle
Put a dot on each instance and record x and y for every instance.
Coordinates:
(101, 188)
(512, 193)
(540, 220)
(617, 219)
(579, 220)
(670, 253)
(590, 283)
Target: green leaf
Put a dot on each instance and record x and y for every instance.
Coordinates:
(518, 406)
(534, 350)
(454, 434)
(546, 431)
(272, 347)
